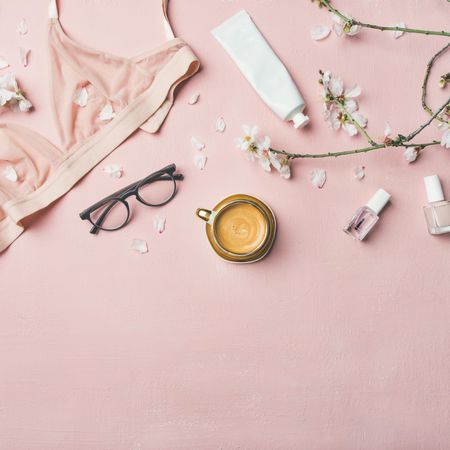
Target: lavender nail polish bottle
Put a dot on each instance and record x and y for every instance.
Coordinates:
(367, 216)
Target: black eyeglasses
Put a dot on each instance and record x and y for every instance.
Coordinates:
(113, 212)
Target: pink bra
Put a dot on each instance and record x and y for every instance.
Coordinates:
(99, 100)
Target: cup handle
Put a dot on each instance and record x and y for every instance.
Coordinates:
(204, 214)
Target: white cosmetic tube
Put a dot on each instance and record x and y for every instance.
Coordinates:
(262, 67)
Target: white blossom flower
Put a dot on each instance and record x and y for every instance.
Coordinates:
(263, 154)
(11, 95)
(411, 154)
(281, 164)
(445, 140)
(247, 143)
(346, 97)
(318, 178)
(338, 119)
(342, 26)
(337, 98)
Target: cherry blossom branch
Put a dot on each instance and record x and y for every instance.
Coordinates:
(349, 22)
(425, 80)
(289, 155)
(419, 129)
(400, 141)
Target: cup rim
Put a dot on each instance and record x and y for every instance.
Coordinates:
(224, 207)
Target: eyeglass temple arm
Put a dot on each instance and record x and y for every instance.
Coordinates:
(98, 223)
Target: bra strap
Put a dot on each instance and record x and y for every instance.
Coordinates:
(167, 27)
(53, 10)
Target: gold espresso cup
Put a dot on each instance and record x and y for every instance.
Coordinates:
(240, 228)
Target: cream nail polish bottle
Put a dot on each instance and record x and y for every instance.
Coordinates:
(366, 217)
(437, 212)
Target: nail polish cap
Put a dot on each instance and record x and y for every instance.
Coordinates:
(433, 188)
(378, 201)
(300, 120)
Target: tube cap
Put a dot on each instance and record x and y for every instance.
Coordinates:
(378, 201)
(300, 120)
(433, 188)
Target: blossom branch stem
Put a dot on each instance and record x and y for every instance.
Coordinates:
(352, 120)
(350, 152)
(350, 22)
(418, 130)
(401, 141)
(427, 76)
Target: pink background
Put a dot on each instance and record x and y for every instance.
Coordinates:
(326, 344)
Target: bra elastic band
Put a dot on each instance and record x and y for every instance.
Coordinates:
(53, 14)
(167, 27)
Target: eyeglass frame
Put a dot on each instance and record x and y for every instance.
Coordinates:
(166, 173)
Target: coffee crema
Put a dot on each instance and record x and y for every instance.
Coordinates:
(241, 228)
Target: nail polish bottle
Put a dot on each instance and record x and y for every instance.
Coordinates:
(437, 212)
(366, 217)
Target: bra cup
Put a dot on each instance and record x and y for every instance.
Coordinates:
(26, 161)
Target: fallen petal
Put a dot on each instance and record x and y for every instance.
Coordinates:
(140, 246)
(360, 173)
(22, 28)
(113, 170)
(159, 223)
(200, 161)
(198, 145)
(220, 125)
(3, 63)
(107, 113)
(24, 56)
(81, 97)
(10, 174)
(318, 178)
(194, 99)
(399, 33)
(320, 32)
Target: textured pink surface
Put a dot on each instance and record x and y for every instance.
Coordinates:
(326, 344)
